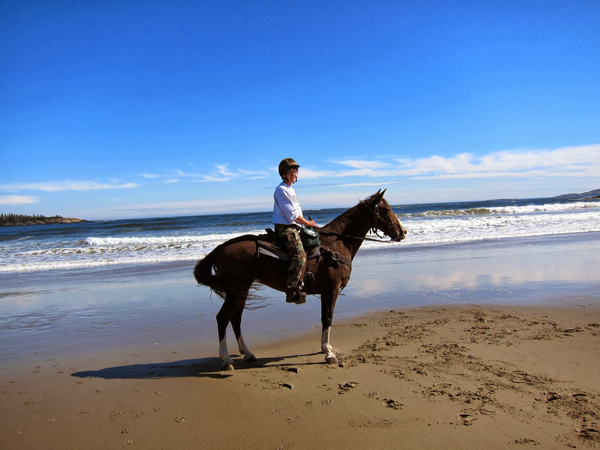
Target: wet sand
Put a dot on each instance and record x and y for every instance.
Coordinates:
(495, 356)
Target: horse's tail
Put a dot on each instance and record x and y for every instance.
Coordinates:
(206, 273)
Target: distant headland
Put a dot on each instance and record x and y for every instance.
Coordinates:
(584, 195)
(13, 220)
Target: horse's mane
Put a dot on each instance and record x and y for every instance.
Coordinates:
(341, 220)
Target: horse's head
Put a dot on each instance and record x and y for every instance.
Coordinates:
(385, 220)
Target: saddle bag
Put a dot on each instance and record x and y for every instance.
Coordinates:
(310, 238)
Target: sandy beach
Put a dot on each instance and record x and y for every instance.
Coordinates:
(497, 368)
(442, 377)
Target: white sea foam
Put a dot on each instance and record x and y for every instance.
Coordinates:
(106, 251)
(548, 207)
(522, 209)
(443, 230)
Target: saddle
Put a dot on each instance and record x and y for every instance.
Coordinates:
(270, 245)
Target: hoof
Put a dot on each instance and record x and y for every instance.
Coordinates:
(250, 359)
(332, 359)
(227, 367)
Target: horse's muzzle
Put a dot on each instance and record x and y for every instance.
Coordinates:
(402, 232)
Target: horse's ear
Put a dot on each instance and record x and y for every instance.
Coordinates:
(380, 195)
(377, 197)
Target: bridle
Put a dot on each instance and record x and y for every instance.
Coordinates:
(388, 222)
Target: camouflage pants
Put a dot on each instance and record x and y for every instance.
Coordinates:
(290, 236)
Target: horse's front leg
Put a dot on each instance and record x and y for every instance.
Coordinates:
(327, 306)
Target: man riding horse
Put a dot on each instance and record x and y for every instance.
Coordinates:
(235, 266)
(288, 219)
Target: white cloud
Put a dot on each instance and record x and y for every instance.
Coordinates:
(213, 179)
(580, 161)
(17, 199)
(311, 174)
(374, 183)
(222, 175)
(364, 168)
(364, 165)
(575, 161)
(566, 161)
(254, 175)
(67, 185)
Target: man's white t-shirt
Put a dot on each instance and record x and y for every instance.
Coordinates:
(286, 208)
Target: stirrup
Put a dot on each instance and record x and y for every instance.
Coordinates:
(295, 295)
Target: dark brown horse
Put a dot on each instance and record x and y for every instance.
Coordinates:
(232, 268)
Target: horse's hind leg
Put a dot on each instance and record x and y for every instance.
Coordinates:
(233, 306)
(236, 323)
(222, 322)
(230, 306)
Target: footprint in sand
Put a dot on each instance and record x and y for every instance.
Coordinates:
(347, 386)
(467, 419)
(392, 403)
(489, 387)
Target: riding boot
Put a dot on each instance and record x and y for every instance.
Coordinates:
(295, 295)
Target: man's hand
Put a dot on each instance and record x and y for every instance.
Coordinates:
(307, 223)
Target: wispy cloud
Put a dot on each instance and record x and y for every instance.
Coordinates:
(364, 168)
(565, 161)
(580, 161)
(576, 161)
(311, 173)
(375, 183)
(222, 174)
(172, 174)
(254, 175)
(17, 199)
(67, 185)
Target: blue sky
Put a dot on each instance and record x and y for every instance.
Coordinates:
(160, 108)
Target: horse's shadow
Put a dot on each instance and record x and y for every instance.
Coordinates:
(203, 367)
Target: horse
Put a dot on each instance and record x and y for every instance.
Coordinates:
(236, 266)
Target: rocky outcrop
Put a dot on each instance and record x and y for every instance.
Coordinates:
(14, 221)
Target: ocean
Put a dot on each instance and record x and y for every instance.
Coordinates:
(175, 239)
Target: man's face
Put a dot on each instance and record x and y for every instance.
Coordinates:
(292, 175)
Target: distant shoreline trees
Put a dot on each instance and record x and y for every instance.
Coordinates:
(7, 220)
